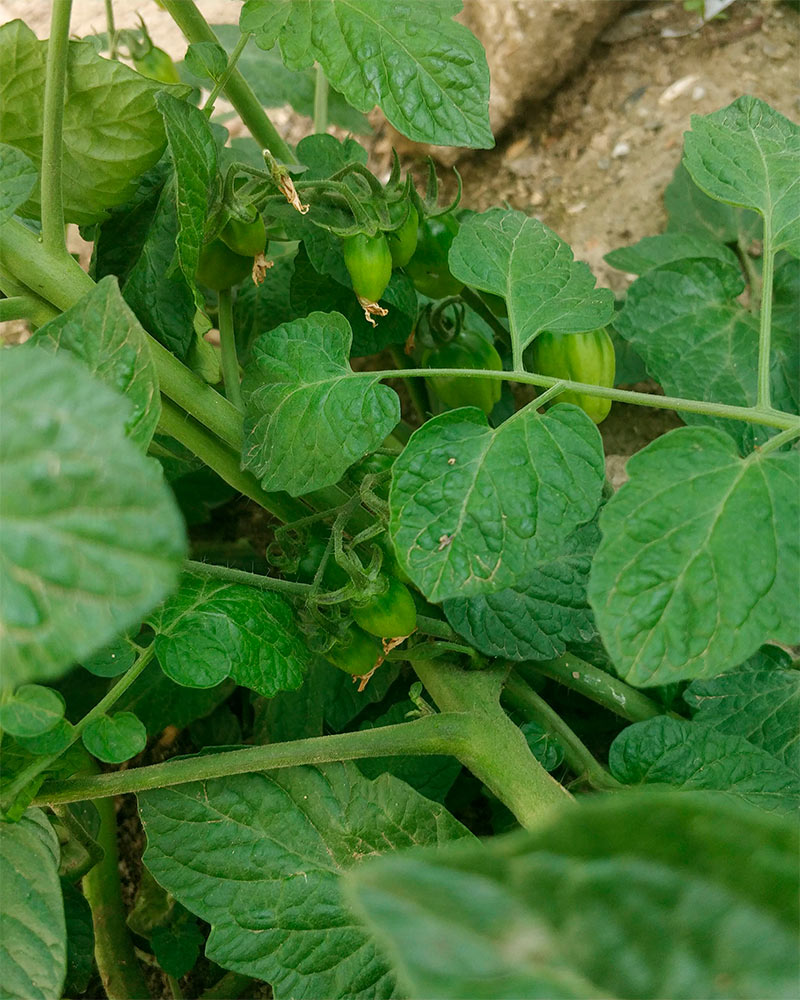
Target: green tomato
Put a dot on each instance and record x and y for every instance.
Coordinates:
(246, 238)
(369, 263)
(219, 267)
(357, 655)
(157, 65)
(390, 614)
(428, 268)
(467, 350)
(403, 241)
(579, 357)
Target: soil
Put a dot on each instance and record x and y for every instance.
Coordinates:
(591, 163)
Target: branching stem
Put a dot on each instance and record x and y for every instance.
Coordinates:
(53, 236)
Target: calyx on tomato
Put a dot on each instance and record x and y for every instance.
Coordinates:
(403, 241)
(369, 264)
(390, 614)
(428, 268)
(246, 238)
(468, 350)
(357, 654)
(219, 267)
(579, 357)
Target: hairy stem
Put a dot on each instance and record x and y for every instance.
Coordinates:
(53, 235)
(233, 59)
(320, 100)
(227, 465)
(230, 363)
(238, 91)
(111, 30)
(113, 949)
(250, 579)
(524, 700)
(765, 327)
(595, 684)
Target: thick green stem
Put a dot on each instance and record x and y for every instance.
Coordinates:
(250, 579)
(36, 767)
(244, 38)
(596, 684)
(225, 463)
(113, 949)
(524, 700)
(25, 307)
(111, 30)
(497, 754)
(227, 339)
(53, 235)
(765, 328)
(238, 91)
(320, 100)
(436, 734)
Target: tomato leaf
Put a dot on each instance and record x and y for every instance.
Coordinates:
(17, 178)
(276, 844)
(209, 630)
(366, 47)
(472, 508)
(687, 582)
(112, 131)
(506, 253)
(697, 895)
(115, 738)
(91, 536)
(103, 332)
(307, 419)
(33, 936)
(33, 710)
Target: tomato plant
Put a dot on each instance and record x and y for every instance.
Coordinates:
(523, 646)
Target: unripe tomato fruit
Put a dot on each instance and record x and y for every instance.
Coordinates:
(467, 350)
(579, 357)
(219, 267)
(403, 241)
(246, 238)
(357, 654)
(157, 65)
(428, 268)
(369, 263)
(389, 614)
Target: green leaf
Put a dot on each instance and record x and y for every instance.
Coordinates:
(266, 873)
(760, 701)
(690, 755)
(194, 158)
(690, 210)
(91, 538)
(647, 895)
(748, 155)
(544, 746)
(655, 251)
(16, 758)
(177, 946)
(700, 558)
(258, 308)
(207, 60)
(209, 630)
(311, 291)
(115, 738)
(33, 936)
(80, 940)
(472, 508)
(426, 72)
(17, 178)
(699, 343)
(33, 710)
(112, 132)
(102, 331)
(506, 253)
(112, 660)
(342, 701)
(307, 417)
(537, 617)
(54, 741)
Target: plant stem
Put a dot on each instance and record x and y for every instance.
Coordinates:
(548, 394)
(751, 414)
(36, 767)
(524, 700)
(251, 579)
(436, 734)
(113, 949)
(200, 442)
(778, 441)
(238, 91)
(111, 30)
(765, 328)
(232, 986)
(53, 235)
(603, 689)
(753, 277)
(416, 390)
(320, 100)
(24, 307)
(476, 303)
(233, 59)
(230, 363)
